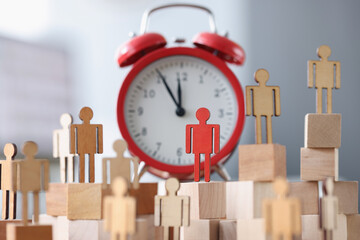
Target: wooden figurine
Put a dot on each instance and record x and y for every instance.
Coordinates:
(85, 139)
(329, 210)
(172, 210)
(324, 76)
(30, 175)
(119, 211)
(200, 140)
(120, 166)
(8, 196)
(283, 214)
(61, 148)
(261, 103)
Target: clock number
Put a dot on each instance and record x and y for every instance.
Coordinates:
(179, 152)
(144, 131)
(140, 111)
(217, 92)
(182, 76)
(221, 113)
(149, 94)
(201, 79)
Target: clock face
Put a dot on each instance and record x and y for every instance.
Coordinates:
(149, 111)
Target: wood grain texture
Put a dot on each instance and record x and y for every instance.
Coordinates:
(262, 162)
(347, 194)
(207, 200)
(56, 199)
(144, 196)
(308, 194)
(141, 230)
(30, 232)
(263, 100)
(322, 130)
(353, 229)
(324, 72)
(253, 229)
(311, 229)
(3, 224)
(203, 229)
(227, 230)
(244, 198)
(316, 164)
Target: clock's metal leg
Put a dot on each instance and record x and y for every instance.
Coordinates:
(221, 170)
(143, 170)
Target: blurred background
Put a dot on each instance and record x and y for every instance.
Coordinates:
(58, 56)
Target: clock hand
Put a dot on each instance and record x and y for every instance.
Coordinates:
(179, 110)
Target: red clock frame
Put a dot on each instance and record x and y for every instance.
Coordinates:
(157, 167)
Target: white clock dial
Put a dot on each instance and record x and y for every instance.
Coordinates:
(150, 111)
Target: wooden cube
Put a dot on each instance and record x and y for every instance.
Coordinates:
(141, 230)
(262, 162)
(244, 198)
(207, 199)
(77, 201)
(308, 193)
(347, 193)
(227, 229)
(319, 163)
(29, 232)
(353, 229)
(3, 224)
(144, 196)
(253, 229)
(311, 230)
(322, 130)
(204, 229)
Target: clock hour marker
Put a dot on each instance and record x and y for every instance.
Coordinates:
(139, 87)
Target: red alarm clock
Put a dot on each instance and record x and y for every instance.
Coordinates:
(166, 86)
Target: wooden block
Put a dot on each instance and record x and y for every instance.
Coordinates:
(227, 229)
(253, 229)
(353, 229)
(141, 230)
(244, 198)
(347, 193)
(144, 196)
(207, 199)
(319, 163)
(3, 224)
(311, 230)
(29, 232)
(262, 162)
(308, 193)
(322, 130)
(204, 229)
(45, 219)
(77, 201)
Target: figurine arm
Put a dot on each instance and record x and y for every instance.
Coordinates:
(186, 209)
(277, 101)
(131, 216)
(73, 139)
(46, 175)
(100, 138)
(217, 138)
(249, 99)
(337, 74)
(266, 211)
(157, 211)
(311, 65)
(104, 172)
(14, 176)
(188, 138)
(135, 182)
(56, 144)
(107, 214)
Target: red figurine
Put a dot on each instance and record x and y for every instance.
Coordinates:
(202, 141)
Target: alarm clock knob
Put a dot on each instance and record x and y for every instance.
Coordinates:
(223, 47)
(138, 47)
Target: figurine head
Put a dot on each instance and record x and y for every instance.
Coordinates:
(119, 147)
(172, 185)
(119, 186)
(281, 187)
(86, 114)
(324, 51)
(202, 114)
(30, 149)
(329, 186)
(10, 150)
(261, 76)
(65, 120)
